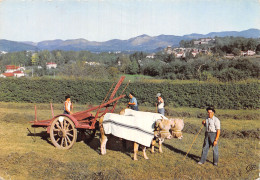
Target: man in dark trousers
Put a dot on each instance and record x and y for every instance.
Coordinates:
(212, 124)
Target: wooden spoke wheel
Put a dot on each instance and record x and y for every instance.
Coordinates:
(63, 132)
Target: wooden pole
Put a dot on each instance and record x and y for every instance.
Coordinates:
(193, 141)
(108, 93)
(116, 87)
(121, 95)
(35, 113)
(125, 87)
(52, 113)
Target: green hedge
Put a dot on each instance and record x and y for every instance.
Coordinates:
(193, 94)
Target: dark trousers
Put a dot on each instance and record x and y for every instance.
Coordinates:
(134, 108)
(66, 112)
(161, 111)
(208, 141)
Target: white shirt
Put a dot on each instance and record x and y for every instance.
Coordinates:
(68, 103)
(161, 103)
(212, 125)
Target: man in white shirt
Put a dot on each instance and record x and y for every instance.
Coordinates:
(160, 104)
(67, 105)
(212, 124)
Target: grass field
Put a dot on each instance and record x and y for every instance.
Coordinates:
(25, 156)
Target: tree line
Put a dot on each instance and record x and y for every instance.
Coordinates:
(164, 66)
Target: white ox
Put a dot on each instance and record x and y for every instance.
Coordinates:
(140, 127)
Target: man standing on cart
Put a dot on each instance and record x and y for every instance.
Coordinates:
(67, 105)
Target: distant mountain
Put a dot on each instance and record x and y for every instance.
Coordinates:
(250, 33)
(11, 46)
(140, 43)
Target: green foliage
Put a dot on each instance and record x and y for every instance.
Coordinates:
(16, 58)
(133, 67)
(169, 58)
(34, 59)
(124, 63)
(153, 68)
(223, 70)
(234, 44)
(137, 56)
(203, 67)
(193, 94)
(258, 49)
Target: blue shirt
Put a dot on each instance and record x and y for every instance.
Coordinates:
(133, 100)
(134, 107)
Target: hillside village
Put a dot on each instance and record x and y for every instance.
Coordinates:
(181, 52)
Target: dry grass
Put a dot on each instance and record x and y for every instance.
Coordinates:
(34, 157)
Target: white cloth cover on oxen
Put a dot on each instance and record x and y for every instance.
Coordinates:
(144, 115)
(138, 128)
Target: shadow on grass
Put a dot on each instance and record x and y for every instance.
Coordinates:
(44, 136)
(113, 143)
(191, 156)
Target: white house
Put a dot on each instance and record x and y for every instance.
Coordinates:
(51, 65)
(13, 71)
(169, 50)
(247, 53)
(3, 52)
(93, 63)
(204, 42)
(179, 54)
(196, 42)
(150, 56)
(18, 73)
(194, 53)
(250, 53)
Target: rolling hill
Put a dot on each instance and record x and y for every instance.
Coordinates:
(144, 42)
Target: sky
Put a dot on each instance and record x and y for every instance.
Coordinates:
(103, 20)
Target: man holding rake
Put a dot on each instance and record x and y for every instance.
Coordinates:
(212, 124)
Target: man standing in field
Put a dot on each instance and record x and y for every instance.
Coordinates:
(133, 102)
(212, 124)
(67, 105)
(160, 104)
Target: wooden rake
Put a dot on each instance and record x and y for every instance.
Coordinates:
(194, 141)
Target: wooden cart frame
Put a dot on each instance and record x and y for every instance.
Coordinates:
(64, 128)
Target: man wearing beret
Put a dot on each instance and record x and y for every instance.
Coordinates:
(212, 124)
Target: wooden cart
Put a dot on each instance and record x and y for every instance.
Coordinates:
(64, 128)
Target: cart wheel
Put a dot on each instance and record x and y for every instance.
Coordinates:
(86, 135)
(63, 132)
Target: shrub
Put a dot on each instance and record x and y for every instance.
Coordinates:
(190, 94)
